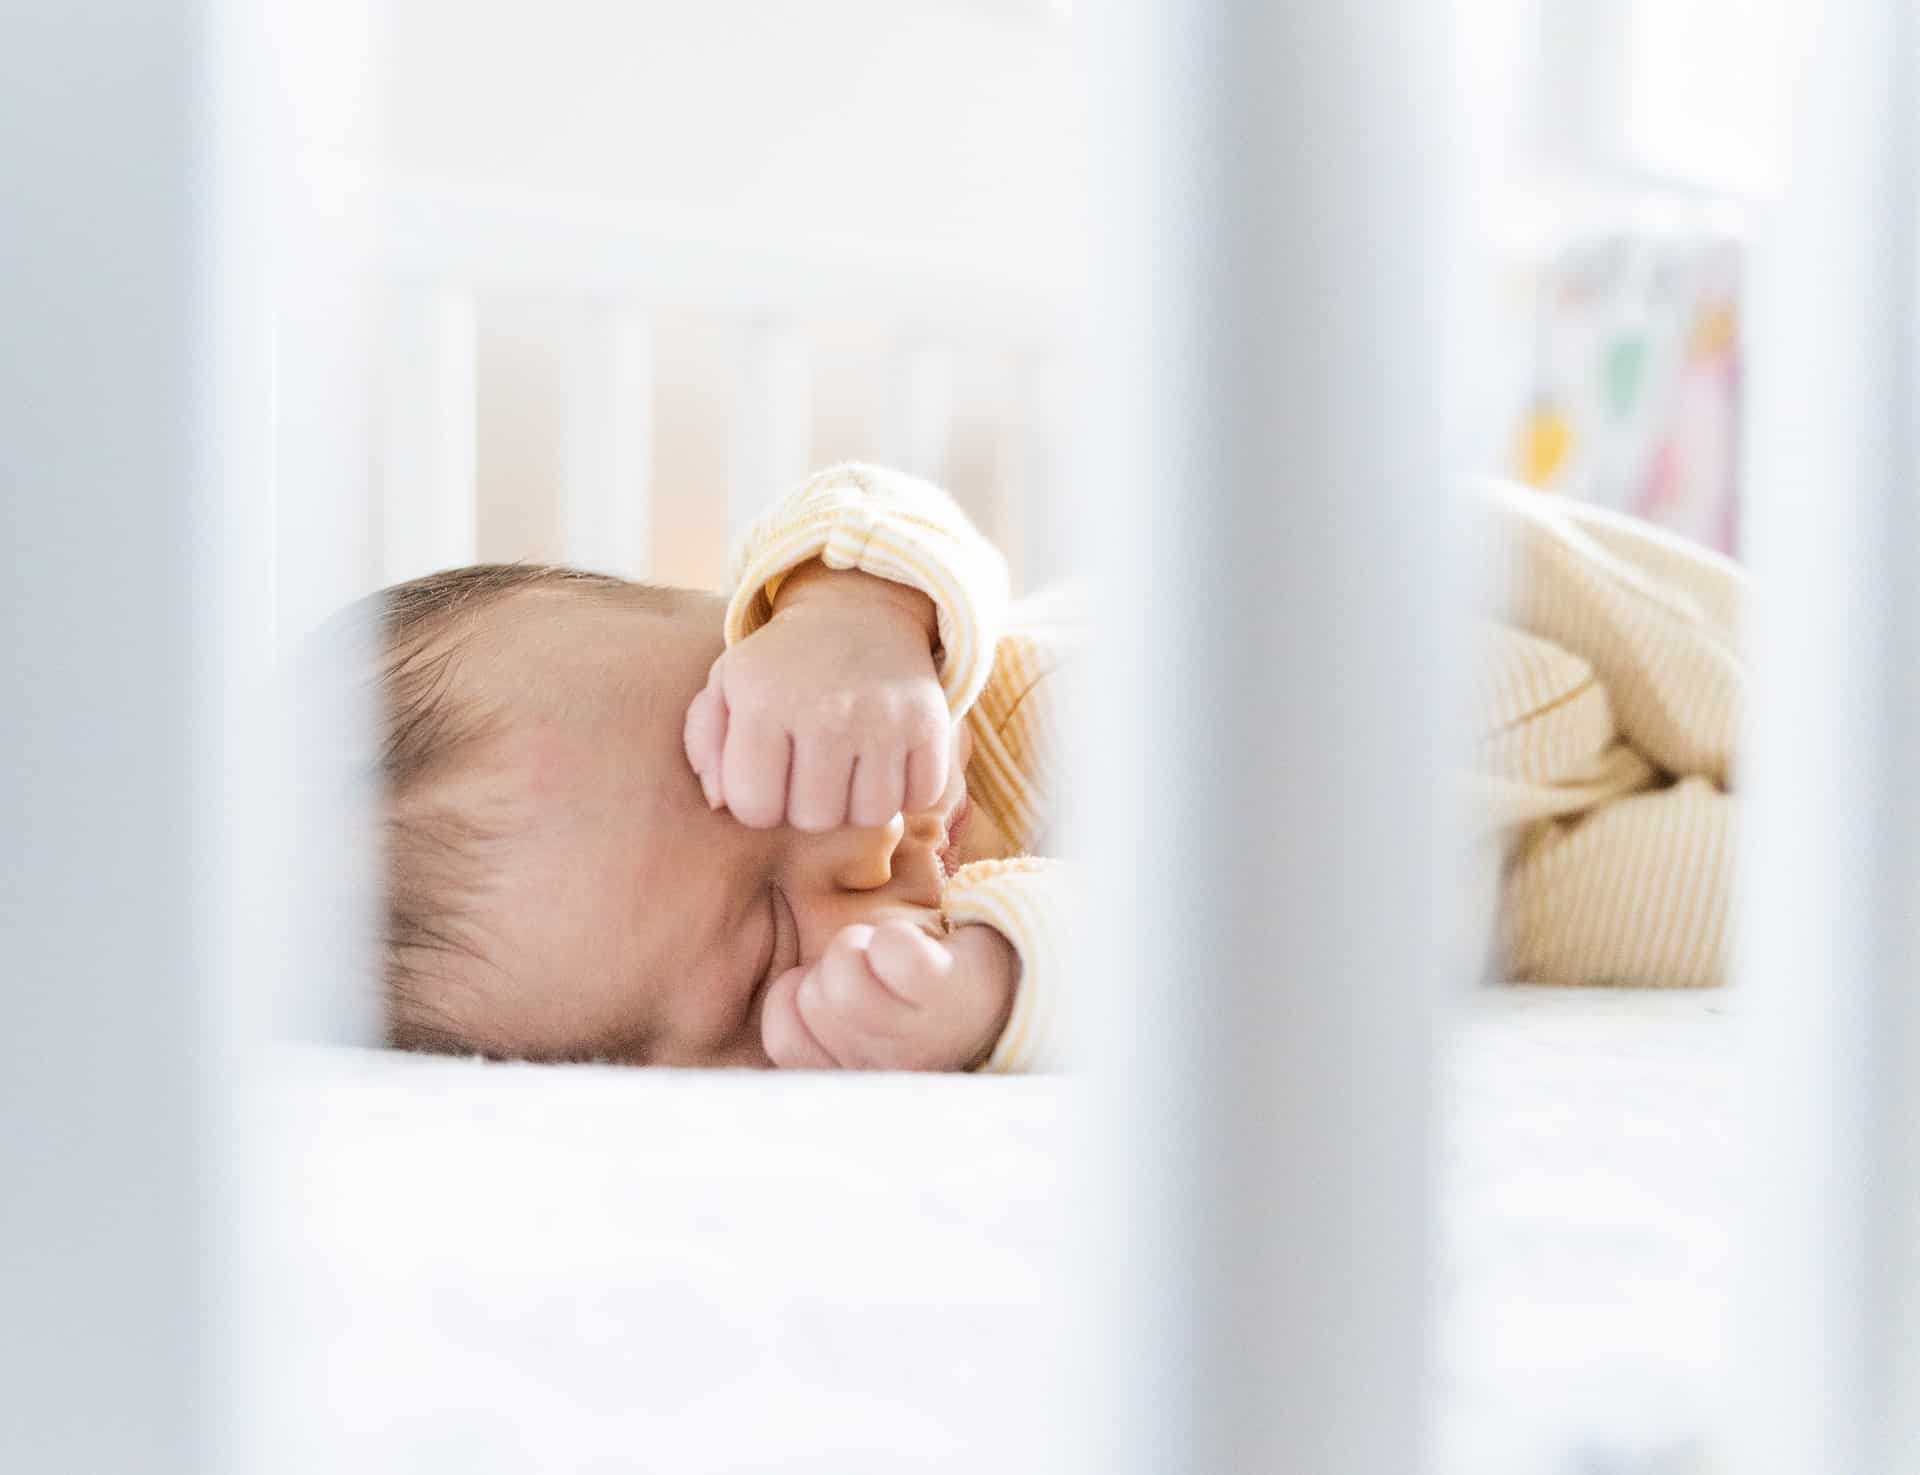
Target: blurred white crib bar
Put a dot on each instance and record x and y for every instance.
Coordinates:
(445, 253)
(1037, 527)
(608, 438)
(1830, 1333)
(428, 519)
(923, 409)
(772, 436)
(1265, 453)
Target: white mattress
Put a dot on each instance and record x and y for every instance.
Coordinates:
(479, 1268)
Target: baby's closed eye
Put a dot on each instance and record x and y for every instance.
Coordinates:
(781, 952)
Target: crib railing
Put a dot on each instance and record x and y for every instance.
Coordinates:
(1830, 1321)
(443, 253)
(428, 515)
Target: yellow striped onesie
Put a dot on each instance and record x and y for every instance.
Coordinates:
(1605, 708)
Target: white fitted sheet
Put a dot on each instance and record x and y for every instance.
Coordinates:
(473, 1268)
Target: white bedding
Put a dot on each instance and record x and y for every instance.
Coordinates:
(483, 1268)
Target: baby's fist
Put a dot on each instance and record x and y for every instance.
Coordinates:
(893, 998)
(830, 714)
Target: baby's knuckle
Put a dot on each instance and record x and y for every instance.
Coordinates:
(826, 1005)
(848, 978)
(817, 716)
(928, 706)
(856, 964)
(763, 711)
(851, 938)
(863, 713)
(899, 706)
(898, 945)
(834, 993)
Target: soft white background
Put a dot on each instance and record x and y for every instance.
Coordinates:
(954, 134)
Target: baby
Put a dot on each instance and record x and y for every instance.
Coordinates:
(646, 825)
(798, 827)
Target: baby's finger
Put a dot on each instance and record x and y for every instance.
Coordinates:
(855, 1017)
(753, 775)
(784, 1035)
(912, 965)
(817, 797)
(845, 977)
(878, 789)
(705, 737)
(926, 774)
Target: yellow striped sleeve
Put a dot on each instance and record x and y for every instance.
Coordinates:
(1015, 774)
(1027, 901)
(894, 527)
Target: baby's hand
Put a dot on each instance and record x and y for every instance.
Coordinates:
(893, 998)
(831, 713)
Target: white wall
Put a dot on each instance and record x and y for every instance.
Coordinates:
(932, 127)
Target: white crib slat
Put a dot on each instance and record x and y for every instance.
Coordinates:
(427, 512)
(608, 428)
(1266, 464)
(922, 384)
(1830, 1319)
(773, 434)
(111, 638)
(1034, 514)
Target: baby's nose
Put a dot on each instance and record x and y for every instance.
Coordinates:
(867, 864)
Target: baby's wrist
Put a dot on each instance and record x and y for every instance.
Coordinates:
(986, 953)
(814, 585)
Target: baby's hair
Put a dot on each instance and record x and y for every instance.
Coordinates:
(433, 854)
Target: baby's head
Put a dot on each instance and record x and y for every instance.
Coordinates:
(556, 885)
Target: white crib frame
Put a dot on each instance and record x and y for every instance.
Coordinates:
(1250, 1332)
(1831, 1314)
(1266, 439)
(444, 248)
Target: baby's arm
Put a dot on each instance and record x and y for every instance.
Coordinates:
(1028, 901)
(899, 529)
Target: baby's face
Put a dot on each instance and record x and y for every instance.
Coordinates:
(624, 919)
